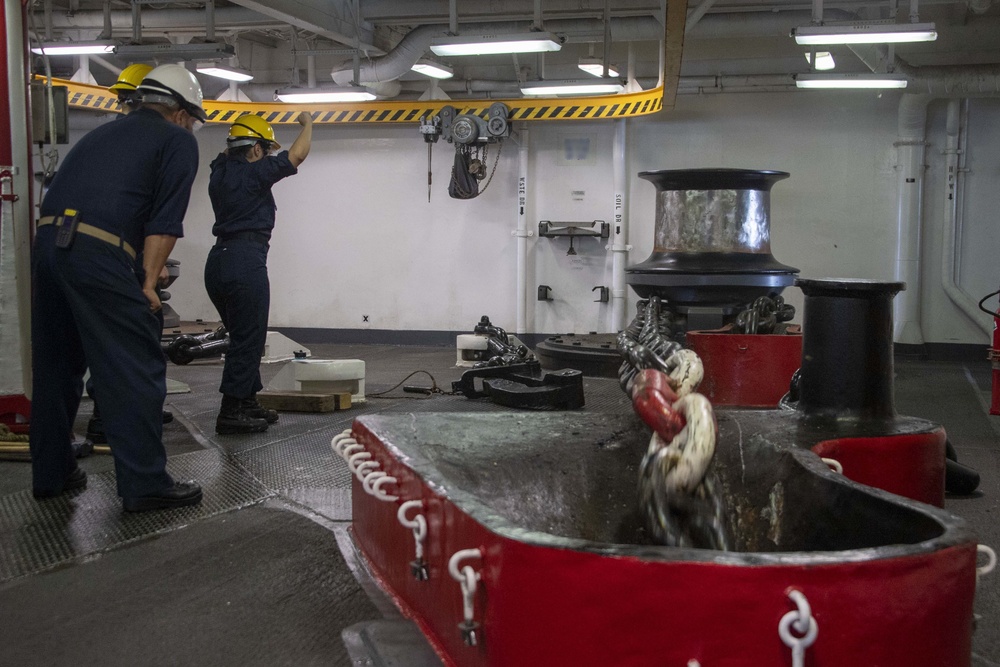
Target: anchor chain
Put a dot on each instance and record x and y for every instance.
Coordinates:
(764, 315)
(675, 489)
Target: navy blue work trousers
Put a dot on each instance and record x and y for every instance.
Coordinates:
(88, 309)
(236, 281)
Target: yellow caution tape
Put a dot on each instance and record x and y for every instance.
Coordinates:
(625, 105)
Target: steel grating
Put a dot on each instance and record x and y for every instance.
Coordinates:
(292, 459)
(37, 535)
(305, 461)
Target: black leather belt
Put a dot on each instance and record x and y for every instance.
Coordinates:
(256, 237)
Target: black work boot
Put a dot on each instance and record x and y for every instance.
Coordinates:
(95, 428)
(254, 409)
(233, 419)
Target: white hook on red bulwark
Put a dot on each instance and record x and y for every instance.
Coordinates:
(467, 579)
(418, 524)
(991, 561)
(805, 625)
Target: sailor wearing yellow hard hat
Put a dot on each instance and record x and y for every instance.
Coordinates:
(126, 85)
(236, 271)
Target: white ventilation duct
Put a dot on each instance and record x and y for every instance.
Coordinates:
(415, 43)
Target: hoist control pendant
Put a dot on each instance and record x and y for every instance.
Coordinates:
(712, 241)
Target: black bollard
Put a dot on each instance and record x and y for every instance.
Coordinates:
(847, 367)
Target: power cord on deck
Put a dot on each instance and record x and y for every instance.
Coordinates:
(410, 389)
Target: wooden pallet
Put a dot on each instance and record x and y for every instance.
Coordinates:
(295, 401)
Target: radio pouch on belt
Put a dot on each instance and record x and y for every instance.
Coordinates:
(66, 231)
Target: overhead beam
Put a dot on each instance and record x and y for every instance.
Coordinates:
(330, 18)
(423, 12)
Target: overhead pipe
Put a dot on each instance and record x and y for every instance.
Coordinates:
(210, 20)
(185, 19)
(136, 23)
(696, 14)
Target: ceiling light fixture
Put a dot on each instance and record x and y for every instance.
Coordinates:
(433, 69)
(321, 95)
(605, 87)
(204, 51)
(824, 60)
(224, 71)
(850, 81)
(481, 45)
(74, 48)
(865, 33)
(595, 66)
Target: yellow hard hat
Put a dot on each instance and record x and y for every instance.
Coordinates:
(130, 78)
(249, 129)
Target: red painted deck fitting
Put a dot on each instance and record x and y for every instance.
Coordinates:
(552, 599)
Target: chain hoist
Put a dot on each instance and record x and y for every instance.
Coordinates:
(472, 135)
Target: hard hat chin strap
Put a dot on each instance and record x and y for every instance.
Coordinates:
(156, 98)
(234, 143)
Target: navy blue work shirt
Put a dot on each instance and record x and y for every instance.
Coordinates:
(131, 177)
(241, 192)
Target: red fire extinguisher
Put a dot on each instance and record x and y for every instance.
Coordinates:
(994, 355)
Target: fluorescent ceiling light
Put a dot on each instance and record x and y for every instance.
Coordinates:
(224, 71)
(321, 95)
(865, 33)
(480, 45)
(824, 60)
(206, 51)
(850, 81)
(74, 48)
(605, 87)
(595, 66)
(433, 70)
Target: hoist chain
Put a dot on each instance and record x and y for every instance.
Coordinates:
(496, 161)
(476, 158)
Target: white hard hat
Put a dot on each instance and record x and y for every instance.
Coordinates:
(177, 83)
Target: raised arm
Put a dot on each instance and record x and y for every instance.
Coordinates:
(300, 147)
